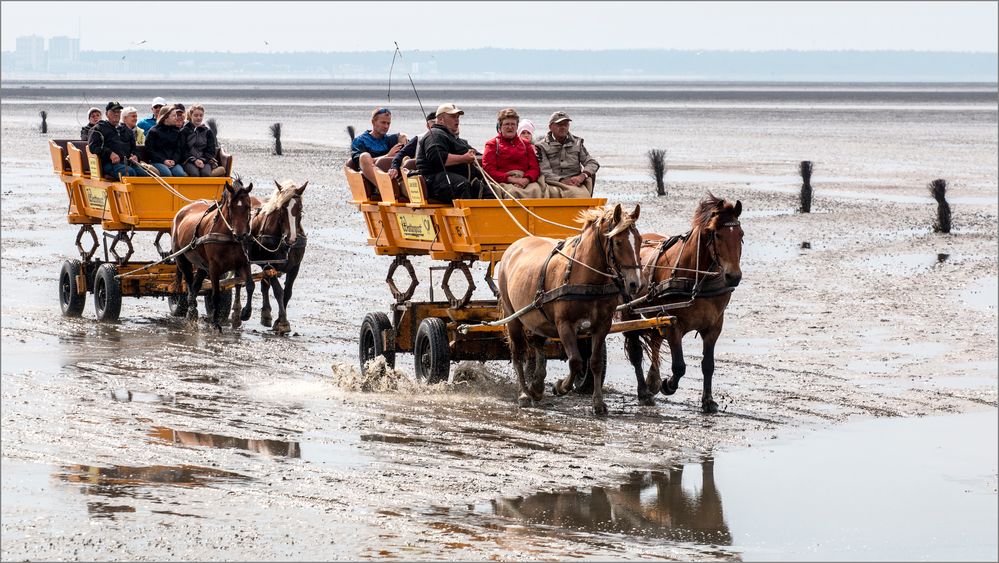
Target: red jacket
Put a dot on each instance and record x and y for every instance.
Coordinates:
(502, 156)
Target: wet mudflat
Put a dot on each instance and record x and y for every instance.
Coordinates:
(153, 438)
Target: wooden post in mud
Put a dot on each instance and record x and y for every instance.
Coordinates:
(805, 197)
(45, 126)
(657, 164)
(276, 133)
(214, 126)
(938, 189)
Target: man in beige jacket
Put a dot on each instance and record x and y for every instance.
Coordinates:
(566, 166)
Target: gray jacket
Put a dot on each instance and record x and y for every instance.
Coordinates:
(561, 160)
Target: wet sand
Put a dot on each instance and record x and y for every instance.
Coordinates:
(155, 439)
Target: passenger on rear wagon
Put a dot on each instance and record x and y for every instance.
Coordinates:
(375, 147)
(163, 142)
(129, 119)
(567, 166)
(198, 145)
(148, 123)
(511, 161)
(93, 116)
(114, 145)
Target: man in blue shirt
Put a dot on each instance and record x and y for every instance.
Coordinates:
(375, 147)
(147, 123)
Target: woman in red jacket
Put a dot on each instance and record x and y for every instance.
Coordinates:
(510, 161)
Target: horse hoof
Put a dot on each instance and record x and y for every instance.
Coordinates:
(265, 320)
(218, 327)
(557, 388)
(282, 328)
(654, 386)
(244, 315)
(525, 401)
(668, 388)
(236, 323)
(600, 409)
(646, 400)
(709, 407)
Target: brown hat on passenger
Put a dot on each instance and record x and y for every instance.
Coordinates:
(164, 112)
(559, 117)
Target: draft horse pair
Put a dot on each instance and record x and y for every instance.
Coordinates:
(564, 293)
(212, 238)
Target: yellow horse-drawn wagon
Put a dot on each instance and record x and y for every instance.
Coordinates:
(402, 222)
(121, 207)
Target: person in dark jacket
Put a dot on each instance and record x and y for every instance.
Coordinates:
(410, 149)
(445, 160)
(198, 145)
(93, 116)
(163, 142)
(114, 146)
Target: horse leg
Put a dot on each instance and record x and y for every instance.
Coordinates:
(654, 380)
(194, 288)
(281, 326)
(708, 404)
(540, 371)
(675, 340)
(185, 270)
(289, 280)
(244, 314)
(518, 351)
(597, 369)
(265, 308)
(570, 342)
(633, 348)
(216, 297)
(236, 306)
(585, 384)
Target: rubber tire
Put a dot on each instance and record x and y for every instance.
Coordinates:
(225, 305)
(177, 304)
(70, 300)
(432, 355)
(107, 293)
(371, 339)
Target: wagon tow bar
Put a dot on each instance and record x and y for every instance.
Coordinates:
(191, 245)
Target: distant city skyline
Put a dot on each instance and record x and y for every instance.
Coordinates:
(270, 27)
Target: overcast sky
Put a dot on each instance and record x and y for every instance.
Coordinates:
(360, 26)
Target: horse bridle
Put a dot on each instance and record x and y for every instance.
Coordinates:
(282, 239)
(617, 270)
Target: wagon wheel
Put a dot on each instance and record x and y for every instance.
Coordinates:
(377, 339)
(431, 351)
(178, 304)
(225, 305)
(107, 293)
(71, 301)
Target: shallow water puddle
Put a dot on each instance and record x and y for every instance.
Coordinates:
(982, 295)
(271, 448)
(855, 492)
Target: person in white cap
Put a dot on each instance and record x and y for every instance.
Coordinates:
(445, 160)
(566, 166)
(148, 123)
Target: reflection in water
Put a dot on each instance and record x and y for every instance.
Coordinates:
(274, 448)
(650, 504)
(121, 482)
(806, 245)
(942, 257)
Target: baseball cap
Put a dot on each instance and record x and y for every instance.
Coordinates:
(559, 117)
(431, 116)
(449, 109)
(113, 105)
(158, 101)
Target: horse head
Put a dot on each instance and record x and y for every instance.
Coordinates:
(622, 248)
(283, 211)
(236, 205)
(718, 219)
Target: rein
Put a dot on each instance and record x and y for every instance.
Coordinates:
(661, 289)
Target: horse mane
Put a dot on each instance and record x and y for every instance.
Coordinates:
(708, 209)
(279, 198)
(599, 215)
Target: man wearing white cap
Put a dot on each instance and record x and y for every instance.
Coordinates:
(445, 160)
(147, 123)
(566, 165)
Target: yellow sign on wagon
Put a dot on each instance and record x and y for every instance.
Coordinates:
(416, 227)
(414, 191)
(96, 197)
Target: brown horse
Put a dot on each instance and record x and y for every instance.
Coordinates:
(277, 236)
(567, 295)
(702, 268)
(211, 234)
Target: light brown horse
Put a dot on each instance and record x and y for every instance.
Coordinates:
(211, 235)
(277, 235)
(568, 295)
(701, 267)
